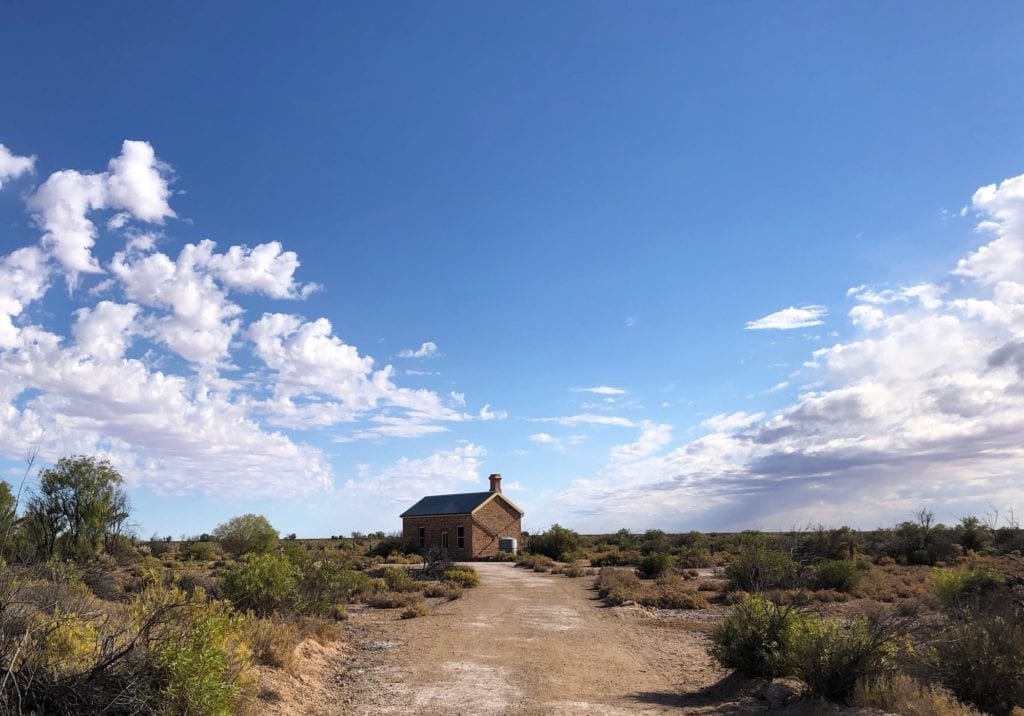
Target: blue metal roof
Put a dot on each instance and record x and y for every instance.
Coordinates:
(459, 504)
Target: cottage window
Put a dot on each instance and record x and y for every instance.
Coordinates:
(444, 540)
(423, 537)
(461, 537)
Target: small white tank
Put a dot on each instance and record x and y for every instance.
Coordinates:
(507, 544)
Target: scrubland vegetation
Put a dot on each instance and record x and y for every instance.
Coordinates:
(95, 620)
(917, 618)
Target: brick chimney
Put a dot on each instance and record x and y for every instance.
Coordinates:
(496, 483)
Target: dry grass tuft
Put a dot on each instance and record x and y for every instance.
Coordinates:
(619, 586)
(901, 694)
(273, 643)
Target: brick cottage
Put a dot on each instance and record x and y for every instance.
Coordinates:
(469, 525)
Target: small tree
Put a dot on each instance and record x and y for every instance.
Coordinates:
(246, 533)
(556, 542)
(759, 565)
(81, 506)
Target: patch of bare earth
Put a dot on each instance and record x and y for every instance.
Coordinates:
(526, 643)
(310, 686)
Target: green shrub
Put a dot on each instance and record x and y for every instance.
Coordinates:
(981, 659)
(656, 564)
(536, 562)
(755, 638)
(198, 650)
(149, 571)
(759, 566)
(323, 587)
(504, 557)
(297, 553)
(199, 551)
(263, 583)
(830, 656)
(959, 589)
(611, 558)
(465, 577)
(399, 580)
(574, 570)
(841, 575)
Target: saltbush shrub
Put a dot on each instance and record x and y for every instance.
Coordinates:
(981, 659)
(263, 583)
(416, 609)
(759, 566)
(398, 579)
(959, 589)
(323, 587)
(447, 590)
(611, 558)
(842, 575)
(199, 551)
(831, 655)
(463, 576)
(655, 564)
(536, 562)
(619, 586)
(755, 638)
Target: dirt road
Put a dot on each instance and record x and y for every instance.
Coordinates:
(526, 643)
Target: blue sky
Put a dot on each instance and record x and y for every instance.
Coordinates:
(688, 266)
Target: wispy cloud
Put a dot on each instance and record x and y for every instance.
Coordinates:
(588, 419)
(601, 390)
(426, 350)
(789, 318)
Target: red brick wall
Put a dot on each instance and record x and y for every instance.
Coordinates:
(434, 526)
(492, 521)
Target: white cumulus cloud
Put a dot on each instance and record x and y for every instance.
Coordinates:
(162, 370)
(13, 166)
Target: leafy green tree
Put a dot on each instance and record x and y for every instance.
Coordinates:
(246, 533)
(81, 508)
(7, 516)
(556, 542)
